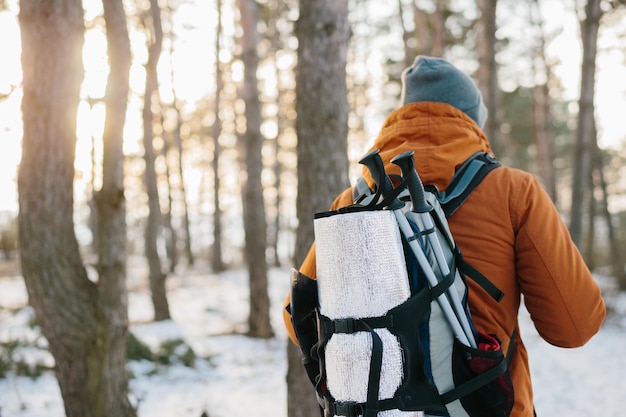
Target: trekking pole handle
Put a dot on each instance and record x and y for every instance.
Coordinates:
(414, 183)
(416, 189)
(374, 163)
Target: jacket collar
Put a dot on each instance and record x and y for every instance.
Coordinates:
(441, 136)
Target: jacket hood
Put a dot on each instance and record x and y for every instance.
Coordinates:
(441, 136)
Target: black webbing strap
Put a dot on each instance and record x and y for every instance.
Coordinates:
(397, 317)
(373, 382)
(477, 276)
(475, 383)
(370, 408)
(484, 378)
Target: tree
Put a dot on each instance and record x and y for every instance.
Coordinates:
(217, 259)
(171, 237)
(429, 32)
(153, 225)
(276, 33)
(585, 140)
(85, 322)
(177, 141)
(616, 253)
(542, 119)
(488, 73)
(322, 129)
(255, 223)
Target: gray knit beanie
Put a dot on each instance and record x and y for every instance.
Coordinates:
(435, 79)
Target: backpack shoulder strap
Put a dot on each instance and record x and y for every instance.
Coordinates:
(465, 179)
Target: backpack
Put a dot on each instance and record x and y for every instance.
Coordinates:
(385, 328)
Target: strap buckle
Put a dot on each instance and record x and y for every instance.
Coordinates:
(347, 325)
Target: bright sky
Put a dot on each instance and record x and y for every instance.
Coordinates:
(193, 57)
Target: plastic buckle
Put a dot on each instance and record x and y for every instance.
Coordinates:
(348, 409)
(344, 326)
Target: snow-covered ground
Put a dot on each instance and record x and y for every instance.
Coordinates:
(236, 376)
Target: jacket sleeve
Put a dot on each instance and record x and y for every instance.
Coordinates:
(562, 297)
(308, 266)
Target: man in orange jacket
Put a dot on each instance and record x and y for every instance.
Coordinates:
(508, 228)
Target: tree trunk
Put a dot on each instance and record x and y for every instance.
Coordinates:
(111, 209)
(585, 139)
(409, 53)
(255, 223)
(488, 73)
(153, 225)
(438, 20)
(279, 9)
(542, 110)
(322, 129)
(617, 258)
(422, 35)
(588, 247)
(543, 139)
(183, 190)
(217, 258)
(171, 237)
(177, 142)
(85, 323)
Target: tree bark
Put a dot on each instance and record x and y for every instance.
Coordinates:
(111, 209)
(171, 237)
(616, 254)
(217, 258)
(585, 138)
(255, 223)
(154, 222)
(177, 141)
(409, 53)
(542, 109)
(323, 30)
(438, 20)
(279, 9)
(84, 322)
(488, 73)
(183, 189)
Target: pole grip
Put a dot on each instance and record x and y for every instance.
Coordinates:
(416, 189)
(376, 167)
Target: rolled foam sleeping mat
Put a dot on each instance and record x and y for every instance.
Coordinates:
(361, 272)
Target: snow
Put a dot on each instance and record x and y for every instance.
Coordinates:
(237, 376)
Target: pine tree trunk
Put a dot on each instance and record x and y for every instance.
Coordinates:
(488, 74)
(111, 209)
(255, 223)
(177, 142)
(153, 225)
(85, 323)
(217, 258)
(279, 11)
(438, 20)
(585, 139)
(409, 53)
(617, 258)
(545, 145)
(542, 110)
(183, 191)
(322, 128)
(171, 237)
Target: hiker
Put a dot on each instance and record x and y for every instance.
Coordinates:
(508, 228)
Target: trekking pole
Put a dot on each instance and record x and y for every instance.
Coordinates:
(416, 189)
(375, 164)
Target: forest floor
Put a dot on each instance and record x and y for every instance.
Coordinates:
(202, 361)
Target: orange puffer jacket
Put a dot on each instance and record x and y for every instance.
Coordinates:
(508, 229)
